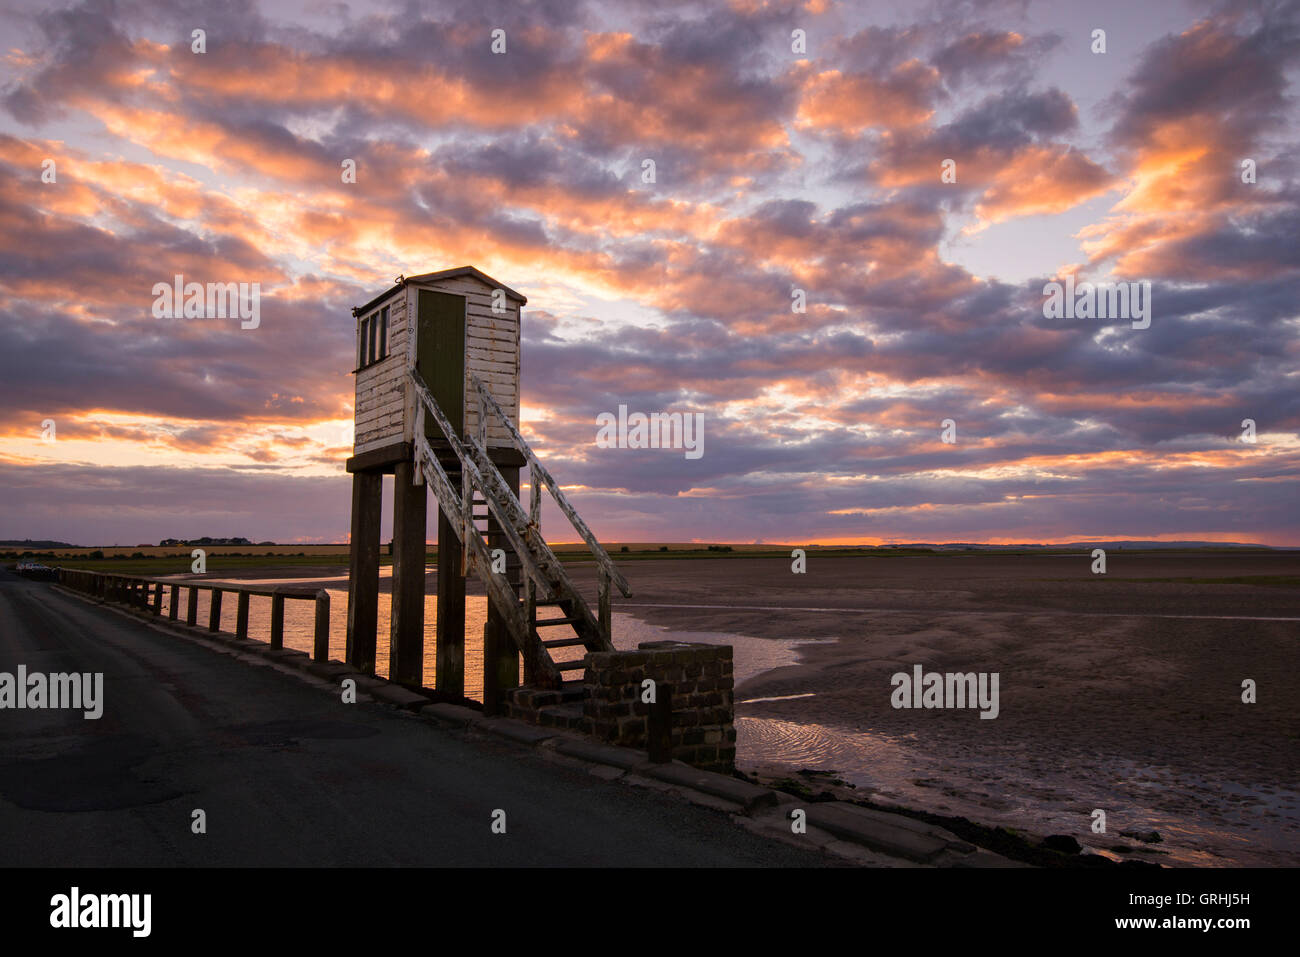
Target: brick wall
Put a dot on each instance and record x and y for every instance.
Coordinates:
(703, 703)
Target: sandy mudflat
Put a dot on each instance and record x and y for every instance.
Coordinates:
(1102, 704)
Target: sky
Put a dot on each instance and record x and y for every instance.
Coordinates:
(800, 150)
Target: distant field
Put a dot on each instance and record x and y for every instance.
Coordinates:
(159, 551)
(158, 560)
(170, 560)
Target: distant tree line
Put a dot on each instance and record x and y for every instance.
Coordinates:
(172, 542)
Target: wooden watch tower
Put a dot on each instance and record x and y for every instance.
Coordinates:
(437, 406)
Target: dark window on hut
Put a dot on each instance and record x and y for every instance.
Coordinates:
(372, 339)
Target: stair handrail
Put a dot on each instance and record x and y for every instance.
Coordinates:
(522, 529)
(467, 450)
(538, 471)
(471, 473)
(535, 661)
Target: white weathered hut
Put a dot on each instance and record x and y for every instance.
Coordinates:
(465, 323)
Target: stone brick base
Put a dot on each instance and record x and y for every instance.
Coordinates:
(608, 705)
(703, 705)
(550, 709)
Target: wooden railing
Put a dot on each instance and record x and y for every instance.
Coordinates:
(606, 568)
(144, 592)
(544, 575)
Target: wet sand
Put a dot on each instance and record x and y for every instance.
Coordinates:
(1103, 703)
(1119, 692)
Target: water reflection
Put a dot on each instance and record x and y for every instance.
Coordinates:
(752, 656)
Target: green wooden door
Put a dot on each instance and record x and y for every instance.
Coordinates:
(440, 355)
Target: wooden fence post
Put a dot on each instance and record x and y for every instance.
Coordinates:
(321, 646)
(277, 621)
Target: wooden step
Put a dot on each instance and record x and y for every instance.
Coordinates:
(547, 622)
(564, 642)
(579, 665)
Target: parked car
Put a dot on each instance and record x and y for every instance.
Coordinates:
(36, 571)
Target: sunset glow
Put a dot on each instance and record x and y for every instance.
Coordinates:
(775, 171)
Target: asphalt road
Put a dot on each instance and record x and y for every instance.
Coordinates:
(288, 775)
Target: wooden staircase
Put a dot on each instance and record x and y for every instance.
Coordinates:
(487, 515)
